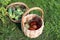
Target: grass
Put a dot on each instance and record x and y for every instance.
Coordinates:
(12, 31)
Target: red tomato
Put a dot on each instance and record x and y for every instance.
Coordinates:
(33, 23)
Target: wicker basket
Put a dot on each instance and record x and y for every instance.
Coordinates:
(16, 4)
(26, 17)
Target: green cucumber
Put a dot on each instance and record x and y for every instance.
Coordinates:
(10, 12)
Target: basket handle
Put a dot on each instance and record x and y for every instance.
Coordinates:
(34, 8)
(17, 3)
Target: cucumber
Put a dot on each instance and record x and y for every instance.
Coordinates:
(10, 12)
(16, 18)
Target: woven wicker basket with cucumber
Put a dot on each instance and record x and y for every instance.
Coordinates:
(16, 10)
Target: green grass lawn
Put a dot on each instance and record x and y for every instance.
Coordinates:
(12, 31)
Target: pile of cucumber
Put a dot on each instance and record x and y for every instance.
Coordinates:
(15, 13)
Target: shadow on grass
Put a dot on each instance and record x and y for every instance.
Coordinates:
(19, 26)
